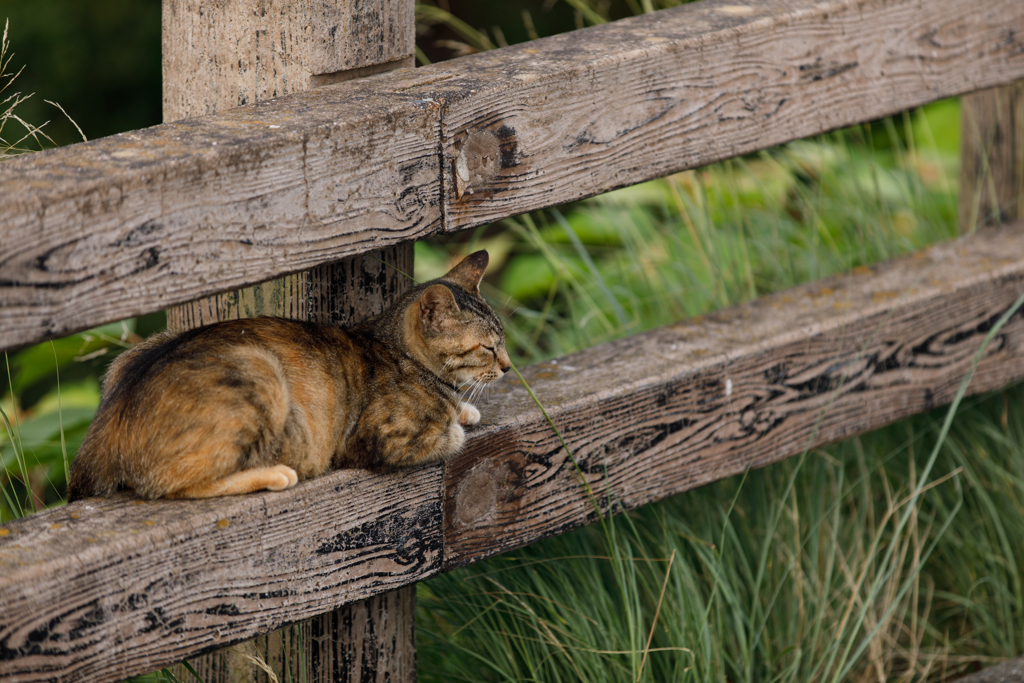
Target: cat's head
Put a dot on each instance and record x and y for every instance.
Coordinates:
(453, 331)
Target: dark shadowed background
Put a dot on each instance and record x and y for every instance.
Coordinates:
(100, 59)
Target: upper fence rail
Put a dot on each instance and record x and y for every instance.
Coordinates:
(126, 225)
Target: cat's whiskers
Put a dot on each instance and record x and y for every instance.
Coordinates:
(484, 388)
(478, 389)
(474, 387)
(468, 386)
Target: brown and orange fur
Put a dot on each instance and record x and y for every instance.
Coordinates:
(262, 403)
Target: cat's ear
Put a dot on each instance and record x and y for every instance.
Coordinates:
(470, 271)
(437, 304)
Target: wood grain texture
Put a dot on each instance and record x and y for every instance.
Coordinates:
(122, 226)
(992, 157)
(663, 412)
(641, 98)
(228, 53)
(370, 641)
(1011, 671)
(339, 293)
(170, 213)
(104, 589)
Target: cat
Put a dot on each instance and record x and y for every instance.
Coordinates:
(261, 403)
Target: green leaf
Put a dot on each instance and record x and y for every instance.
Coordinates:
(36, 362)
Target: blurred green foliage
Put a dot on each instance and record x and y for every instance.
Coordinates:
(99, 59)
(49, 398)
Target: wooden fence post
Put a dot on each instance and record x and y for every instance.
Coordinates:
(218, 55)
(992, 156)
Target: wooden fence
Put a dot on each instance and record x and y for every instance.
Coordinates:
(108, 588)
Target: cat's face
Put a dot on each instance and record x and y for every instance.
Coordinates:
(463, 339)
(472, 345)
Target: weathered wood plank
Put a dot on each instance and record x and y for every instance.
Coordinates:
(369, 641)
(661, 413)
(1011, 671)
(666, 411)
(992, 157)
(341, 293)
(242, 53)
(133, 223)
(109, 588)
(235, 52)
(115, 227)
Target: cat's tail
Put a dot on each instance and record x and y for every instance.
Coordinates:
(93, 472)
(96, 470)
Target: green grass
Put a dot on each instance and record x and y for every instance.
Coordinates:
(45, 418)
(18, 136)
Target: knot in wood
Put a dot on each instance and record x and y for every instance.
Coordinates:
(487, 490)
(477, 162)
(477, 496)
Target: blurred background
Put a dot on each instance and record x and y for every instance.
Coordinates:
(99, 59)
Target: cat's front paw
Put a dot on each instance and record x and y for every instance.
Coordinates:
(281, 477)
(468, 414)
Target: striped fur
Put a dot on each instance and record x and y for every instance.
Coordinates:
(261, 403)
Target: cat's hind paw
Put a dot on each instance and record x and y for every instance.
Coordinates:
(468, 414)
(281, 477)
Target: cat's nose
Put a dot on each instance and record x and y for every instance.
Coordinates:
(505, 368)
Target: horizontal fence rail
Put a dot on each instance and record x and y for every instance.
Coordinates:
(103, 589)
(137, 222)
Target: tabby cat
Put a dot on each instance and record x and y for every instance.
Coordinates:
(260, 403)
